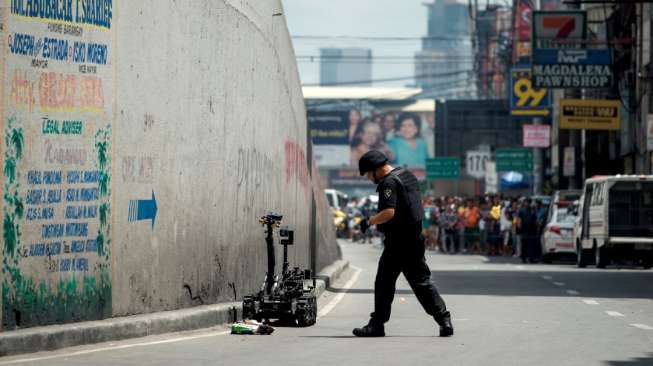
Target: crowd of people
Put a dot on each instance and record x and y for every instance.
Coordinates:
(491, 225)
(488, 225)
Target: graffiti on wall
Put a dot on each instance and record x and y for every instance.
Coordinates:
(253, 185)
(296, 166)
(57, 162)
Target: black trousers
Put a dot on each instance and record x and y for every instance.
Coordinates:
(404, 254)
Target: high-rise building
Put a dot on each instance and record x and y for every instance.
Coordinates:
(345, 65)
(493, 52)
(443, 66)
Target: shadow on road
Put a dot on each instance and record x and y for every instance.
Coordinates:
(631, 285)
(643, 361)
(387, 336)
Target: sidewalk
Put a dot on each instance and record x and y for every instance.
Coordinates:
(53, 337)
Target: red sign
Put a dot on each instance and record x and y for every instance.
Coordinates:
(537, 136)
(523, 20)
(552, 27)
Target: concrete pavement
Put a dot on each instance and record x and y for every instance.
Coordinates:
(505, 313)
(67, 335)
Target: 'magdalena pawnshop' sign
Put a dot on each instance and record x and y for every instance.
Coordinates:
(572, 69)
(572, 76)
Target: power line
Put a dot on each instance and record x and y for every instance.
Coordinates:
(390, 62)
(387, 58)
(386, 38)
(370, 81)
(450, 89)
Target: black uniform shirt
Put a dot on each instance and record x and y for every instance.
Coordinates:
(388, 191)
(397, 190)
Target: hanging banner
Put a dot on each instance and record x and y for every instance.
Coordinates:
(649, 133)
(569, 164)
(523, 20)
(491, 178)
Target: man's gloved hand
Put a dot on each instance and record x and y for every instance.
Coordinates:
(365, 224)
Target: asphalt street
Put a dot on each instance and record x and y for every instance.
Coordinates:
(505, 313)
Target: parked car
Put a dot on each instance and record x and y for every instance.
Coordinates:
(615, 221)
(557, 238)
(568, 196)
(546, 200)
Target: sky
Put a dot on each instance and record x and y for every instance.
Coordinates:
(385, 18)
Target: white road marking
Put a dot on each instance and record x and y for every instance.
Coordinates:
(325, 310)
(559, 284)
(520, 267)
(590, 302)
(642, 326)
(614, 313)
(336, 299)
(573, 292)
(113, 348)
(549, 278)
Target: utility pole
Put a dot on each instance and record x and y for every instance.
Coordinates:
(537, 163)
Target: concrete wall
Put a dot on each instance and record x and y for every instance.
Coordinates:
(134, 173)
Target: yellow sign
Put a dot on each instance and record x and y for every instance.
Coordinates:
(524, 99)
(589, 114)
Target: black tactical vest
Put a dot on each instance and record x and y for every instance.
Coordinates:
(409, 199)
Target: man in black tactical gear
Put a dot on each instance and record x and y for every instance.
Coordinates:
(399, 217)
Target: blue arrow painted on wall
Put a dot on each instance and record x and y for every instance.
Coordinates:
(142, 210)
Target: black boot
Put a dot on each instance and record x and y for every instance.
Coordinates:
(370, 330)
(444, 321)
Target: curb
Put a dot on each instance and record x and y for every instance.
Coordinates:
(54, 337)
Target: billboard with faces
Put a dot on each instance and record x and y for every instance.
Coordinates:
(407, 138)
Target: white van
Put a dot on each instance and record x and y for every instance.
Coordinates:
(615, 220)
(336, 199)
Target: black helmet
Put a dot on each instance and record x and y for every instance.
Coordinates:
(372, 160)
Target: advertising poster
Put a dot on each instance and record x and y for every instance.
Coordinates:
(58, 109)
(341, 138)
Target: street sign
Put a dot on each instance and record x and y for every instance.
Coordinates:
(475, 164)
(524, 99)
(491, 178)
(569, 164)
(443, 168)
(537, 136)
(572, 69)
(559, 29)
(590, 114)
(514, 160)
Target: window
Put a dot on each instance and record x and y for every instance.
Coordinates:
(597, 195)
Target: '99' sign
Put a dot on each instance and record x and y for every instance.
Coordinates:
(524, 99)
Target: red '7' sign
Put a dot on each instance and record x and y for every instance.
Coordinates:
(565, 25)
